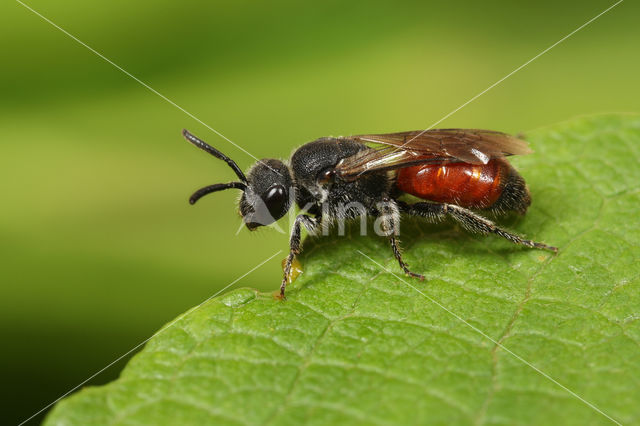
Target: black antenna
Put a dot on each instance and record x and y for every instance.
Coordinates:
(211, 150)
(215, 188)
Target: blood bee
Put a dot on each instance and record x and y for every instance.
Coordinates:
(457, 172)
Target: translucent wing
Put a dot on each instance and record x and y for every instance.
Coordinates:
(397, 150)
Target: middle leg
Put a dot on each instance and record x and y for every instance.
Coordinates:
(389, 214)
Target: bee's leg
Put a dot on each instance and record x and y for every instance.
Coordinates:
(389, 213)
(311, 224)
(469, 220)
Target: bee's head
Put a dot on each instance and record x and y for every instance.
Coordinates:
(266, 198)
(265, 192)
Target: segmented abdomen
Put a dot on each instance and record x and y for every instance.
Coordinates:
(476, 186)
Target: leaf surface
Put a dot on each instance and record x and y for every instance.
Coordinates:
(355, 344)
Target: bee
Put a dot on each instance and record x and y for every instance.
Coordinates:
(457, 172)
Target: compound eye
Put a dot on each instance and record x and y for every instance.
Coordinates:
(276, 200)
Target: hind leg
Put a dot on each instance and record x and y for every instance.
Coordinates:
(469, 220)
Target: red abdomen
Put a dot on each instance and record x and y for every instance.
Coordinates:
(476, 186)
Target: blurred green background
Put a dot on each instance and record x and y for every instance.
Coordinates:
(99, 245)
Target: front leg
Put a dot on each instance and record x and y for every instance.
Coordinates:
(311, 224)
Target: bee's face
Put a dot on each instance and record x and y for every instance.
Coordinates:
(267, 197)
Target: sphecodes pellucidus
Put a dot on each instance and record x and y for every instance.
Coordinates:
(458, 172)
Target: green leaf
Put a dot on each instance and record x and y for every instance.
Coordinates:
(354, 344)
